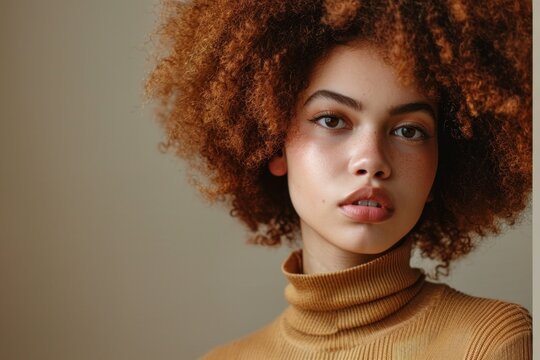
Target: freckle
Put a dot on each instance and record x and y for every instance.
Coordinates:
(323, 201)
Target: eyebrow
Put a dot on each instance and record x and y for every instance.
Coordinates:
(356, 105)
(413, 107)
(342, 99)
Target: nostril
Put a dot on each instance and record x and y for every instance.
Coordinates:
(379, 173)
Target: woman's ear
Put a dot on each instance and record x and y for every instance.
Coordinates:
(278, 164)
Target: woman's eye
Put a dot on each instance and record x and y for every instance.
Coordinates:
(410, 132)
(331, 122)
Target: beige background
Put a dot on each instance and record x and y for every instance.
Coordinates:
(105, 252)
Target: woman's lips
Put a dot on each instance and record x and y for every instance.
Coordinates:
(367, 214)
(367, 204)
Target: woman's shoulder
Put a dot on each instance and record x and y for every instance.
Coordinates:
(491, 326)
(473, 309)
(249, 346)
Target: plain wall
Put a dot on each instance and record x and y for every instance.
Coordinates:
(105, 251)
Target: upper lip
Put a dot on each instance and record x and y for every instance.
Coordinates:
(369, 193)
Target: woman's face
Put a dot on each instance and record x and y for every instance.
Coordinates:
(360, 154)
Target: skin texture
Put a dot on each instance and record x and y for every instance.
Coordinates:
(334, 149)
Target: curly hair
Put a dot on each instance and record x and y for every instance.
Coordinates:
(228, 74)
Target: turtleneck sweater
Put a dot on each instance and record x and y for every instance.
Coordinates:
(383, 309)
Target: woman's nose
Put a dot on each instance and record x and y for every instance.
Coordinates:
(368, 158)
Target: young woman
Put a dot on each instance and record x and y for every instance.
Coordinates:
(363, 128)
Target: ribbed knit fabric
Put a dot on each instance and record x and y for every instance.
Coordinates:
(383, 309)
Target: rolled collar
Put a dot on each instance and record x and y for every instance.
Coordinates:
(327, 303)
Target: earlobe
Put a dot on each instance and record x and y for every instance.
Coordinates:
(278, 164)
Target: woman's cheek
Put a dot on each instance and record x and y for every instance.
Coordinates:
(418, 171)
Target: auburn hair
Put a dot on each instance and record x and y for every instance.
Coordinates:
(228, 74)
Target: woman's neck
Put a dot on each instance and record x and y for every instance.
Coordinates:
(322, 256)
(322, 259)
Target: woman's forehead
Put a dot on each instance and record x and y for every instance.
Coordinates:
(358, 70)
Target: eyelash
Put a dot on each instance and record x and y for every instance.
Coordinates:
(423, 133)
(328, 115)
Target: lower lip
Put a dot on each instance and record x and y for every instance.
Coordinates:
(367, 214)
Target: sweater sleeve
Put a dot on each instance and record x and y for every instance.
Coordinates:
(518, 347)
(504, 332)
(515, 341)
